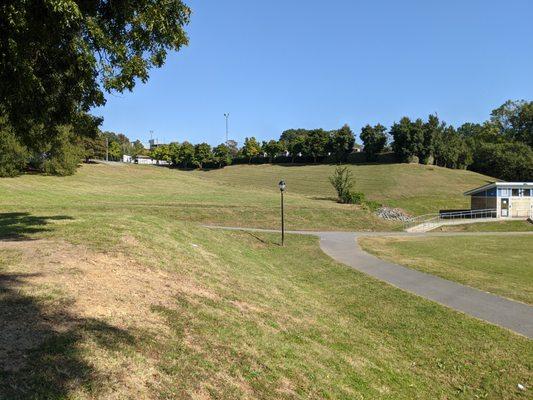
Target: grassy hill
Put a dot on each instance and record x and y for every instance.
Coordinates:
(416, 188)
(109, 288)
(245, 195)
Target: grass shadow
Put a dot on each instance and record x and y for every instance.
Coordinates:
(41, 352)
(21, 225)
(325, 198)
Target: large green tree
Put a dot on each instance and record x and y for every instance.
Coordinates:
(251, 148)
(272, 148)
(374, 139)
(186, 156)
(450, 149)
(222, 155)
(515, 121)
(431, 129)
(161, 153)
(341, 142)
(138, 149)
(58, 57)
(508, 161)
(298, 146)
(202, 154)
(408, 139)
(317, 142)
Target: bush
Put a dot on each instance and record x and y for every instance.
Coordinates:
(13, 155)
(343, 182)
(353, 198)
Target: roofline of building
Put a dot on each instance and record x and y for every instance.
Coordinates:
(498, 184)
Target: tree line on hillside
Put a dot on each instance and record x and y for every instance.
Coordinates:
(294, 142)
(500, 147)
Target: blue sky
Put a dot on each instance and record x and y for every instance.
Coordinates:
(275, 65)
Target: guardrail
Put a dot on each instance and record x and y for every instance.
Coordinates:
(430, 219)
(469, 214)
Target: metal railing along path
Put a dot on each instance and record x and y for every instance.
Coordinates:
(432, 220)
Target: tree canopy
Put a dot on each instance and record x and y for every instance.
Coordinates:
(58, 57)
(374, 139)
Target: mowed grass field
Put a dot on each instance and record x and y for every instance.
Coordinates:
(499, 226)
(111, 288)
(419, 189)
(245, 195)
(498, 264)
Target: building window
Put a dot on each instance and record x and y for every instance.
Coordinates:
(504, 192)
(526, 192)
(516, 192)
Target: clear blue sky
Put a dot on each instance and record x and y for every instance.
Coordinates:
(276, 64)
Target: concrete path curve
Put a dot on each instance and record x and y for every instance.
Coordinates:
(343, 247)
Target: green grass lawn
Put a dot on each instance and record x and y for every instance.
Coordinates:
(181, 196)
(109, 288)
(498, 264)
(499, 226)
(419, 189)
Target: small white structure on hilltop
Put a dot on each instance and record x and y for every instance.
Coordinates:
(144, 160)
(126, 158)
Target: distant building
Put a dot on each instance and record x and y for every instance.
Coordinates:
(144, 160)
(126, 158)
(152, 144)
(147, 160)
(508, 199)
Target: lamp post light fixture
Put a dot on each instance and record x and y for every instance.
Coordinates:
(282, 186)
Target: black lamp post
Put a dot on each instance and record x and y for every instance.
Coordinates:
(281, 185)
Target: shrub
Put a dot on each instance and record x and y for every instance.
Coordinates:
(342, 181)
(353, 198)
(13, 155)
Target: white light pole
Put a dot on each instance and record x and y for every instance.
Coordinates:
(226, 115)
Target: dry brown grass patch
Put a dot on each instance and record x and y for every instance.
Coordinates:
(70, 285)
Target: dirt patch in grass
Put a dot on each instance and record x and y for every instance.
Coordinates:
(52, 289)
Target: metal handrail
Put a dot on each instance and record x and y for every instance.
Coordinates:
(468, 213)
(425, 220)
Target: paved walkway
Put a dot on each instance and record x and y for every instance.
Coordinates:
(343, 247)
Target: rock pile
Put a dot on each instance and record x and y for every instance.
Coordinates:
(393, 214)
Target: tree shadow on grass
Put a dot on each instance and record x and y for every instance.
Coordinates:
(21, 225)
(41, 352)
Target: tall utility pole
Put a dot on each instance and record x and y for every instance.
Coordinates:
(227, 116)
